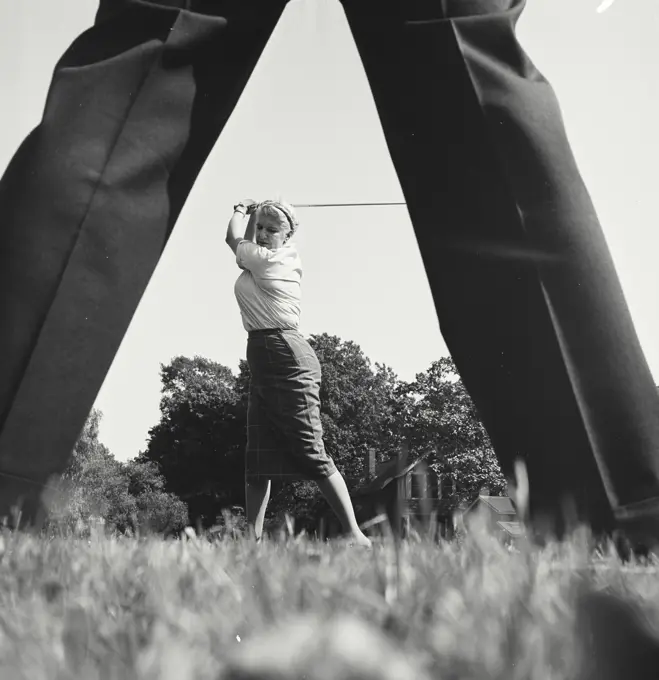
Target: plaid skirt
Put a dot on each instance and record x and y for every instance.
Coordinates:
(284, 431)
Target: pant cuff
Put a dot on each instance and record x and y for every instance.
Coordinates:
(639, 510)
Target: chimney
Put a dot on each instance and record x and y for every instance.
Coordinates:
(369, 463)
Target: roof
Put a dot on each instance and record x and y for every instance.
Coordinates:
(391, 470)
(501, 505)
(514, 529)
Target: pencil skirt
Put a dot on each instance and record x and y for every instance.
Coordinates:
(284, 429)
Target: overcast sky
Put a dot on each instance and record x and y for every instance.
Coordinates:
(306, 129)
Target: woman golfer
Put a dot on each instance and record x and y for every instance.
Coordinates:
(284, 432)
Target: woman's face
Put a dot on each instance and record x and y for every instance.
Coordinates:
(271, 233)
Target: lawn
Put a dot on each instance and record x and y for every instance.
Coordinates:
(296, 608)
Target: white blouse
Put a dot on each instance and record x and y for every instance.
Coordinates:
(268, 291)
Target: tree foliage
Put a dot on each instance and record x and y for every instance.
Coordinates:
(198, 445)
(440, 418)
(97, 488)
(359, 404)
(155, 508)
(199, 442)
(195, 453)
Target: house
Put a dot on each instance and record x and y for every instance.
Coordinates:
(404, 491)
(500, 516)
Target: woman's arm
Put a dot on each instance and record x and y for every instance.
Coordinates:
(250, 232)
(236, 231)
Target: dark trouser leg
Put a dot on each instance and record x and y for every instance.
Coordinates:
(89, 200)
(524, 286)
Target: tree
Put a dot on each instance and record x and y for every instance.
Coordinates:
(198, 445)
(96, 486)
(359, 404)
(156, 509)
(440, 418)
(200, 439)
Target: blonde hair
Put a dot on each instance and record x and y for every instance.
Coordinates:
(276, 208)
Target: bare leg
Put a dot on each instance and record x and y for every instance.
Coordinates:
(336, 493)
(257, 495)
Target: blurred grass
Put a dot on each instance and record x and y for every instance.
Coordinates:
(295, 608)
